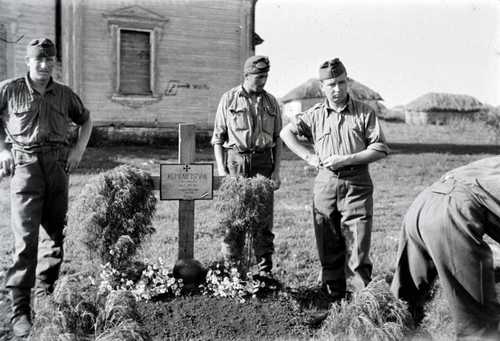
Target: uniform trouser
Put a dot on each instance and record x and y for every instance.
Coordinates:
(250, 165)
(342, 216)
(442, 236)
(39, 197)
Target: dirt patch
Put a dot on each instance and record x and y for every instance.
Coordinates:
(211, 318)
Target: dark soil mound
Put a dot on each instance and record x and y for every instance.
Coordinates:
(211, 318)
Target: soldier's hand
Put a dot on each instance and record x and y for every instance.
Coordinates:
(313, 160)
(334, 162)
(74, 158)
(7, 164)
(222, 171)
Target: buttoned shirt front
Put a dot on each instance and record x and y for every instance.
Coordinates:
(244, 123)
(31, 120)
(352, 130)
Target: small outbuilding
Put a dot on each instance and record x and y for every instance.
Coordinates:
(440, 108)
(309, 93)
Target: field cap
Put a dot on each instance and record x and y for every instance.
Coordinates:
(331, 69)
(42, 47)
(256, 64)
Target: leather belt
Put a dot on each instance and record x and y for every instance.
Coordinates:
(253, 151)
(349, 169)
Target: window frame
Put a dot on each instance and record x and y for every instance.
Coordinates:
(135, 18)
(152, 62)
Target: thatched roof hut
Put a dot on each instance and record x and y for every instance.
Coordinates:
(439, 108)
(312, 89)
(434, 101)
(309, 93)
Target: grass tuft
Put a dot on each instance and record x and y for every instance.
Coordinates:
(372, 314)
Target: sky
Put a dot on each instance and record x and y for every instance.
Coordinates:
(401, 48)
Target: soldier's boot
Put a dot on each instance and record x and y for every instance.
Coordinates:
(265, 265)
(335, 291)
(265, 275)
(21, 311)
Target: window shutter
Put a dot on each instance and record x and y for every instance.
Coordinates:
(135, 63)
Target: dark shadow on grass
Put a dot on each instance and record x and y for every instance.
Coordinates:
(450, 148)
(310, 298)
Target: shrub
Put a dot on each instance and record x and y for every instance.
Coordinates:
(71, 310)
(373, 314)
(112, 216)
(242, 205)
(120, 319)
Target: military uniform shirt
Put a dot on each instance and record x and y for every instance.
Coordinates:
(31, 119)
(350, 131)
(482, 178)
(243, 124)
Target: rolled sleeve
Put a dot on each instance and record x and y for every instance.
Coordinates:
(302, 123)
(375, 138)
(77, 111)
(219, 135)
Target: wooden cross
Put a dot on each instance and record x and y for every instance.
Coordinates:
(187, 155)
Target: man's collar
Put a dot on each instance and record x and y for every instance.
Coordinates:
(48, 89)
(347, 105)
(244, 93)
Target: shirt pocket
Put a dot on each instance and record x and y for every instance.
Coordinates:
(22, 120)
(239, 118)
(268, 121)
(58, 121)
(323, 143)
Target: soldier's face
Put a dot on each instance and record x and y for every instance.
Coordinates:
(255, 82)
(335, 89)
(40, 68)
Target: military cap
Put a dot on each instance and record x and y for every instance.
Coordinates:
(42, 47)
(331, 68)
(256, 64)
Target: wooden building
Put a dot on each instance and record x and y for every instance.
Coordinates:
(440, 108)
(137, 64)
(309, 93)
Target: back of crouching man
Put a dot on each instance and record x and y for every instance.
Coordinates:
(35, 151)
(246, 143)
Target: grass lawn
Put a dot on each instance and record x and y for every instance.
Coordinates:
(397, 181)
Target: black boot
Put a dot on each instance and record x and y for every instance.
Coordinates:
(21, 311)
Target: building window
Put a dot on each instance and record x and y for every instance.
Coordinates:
(135, 63)
(135, 33)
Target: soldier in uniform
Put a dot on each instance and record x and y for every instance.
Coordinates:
(347, 136)
(246, 143)
(35, 112)
(442, 236)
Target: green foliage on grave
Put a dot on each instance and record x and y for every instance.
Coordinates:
(112, 216)
(243, 204)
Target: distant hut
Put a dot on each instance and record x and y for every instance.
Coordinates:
(439, 108)
(309, 93)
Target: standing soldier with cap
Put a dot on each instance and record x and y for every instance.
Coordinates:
(35, 113)
(347, 136)
(442, 236)
(247, 126)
